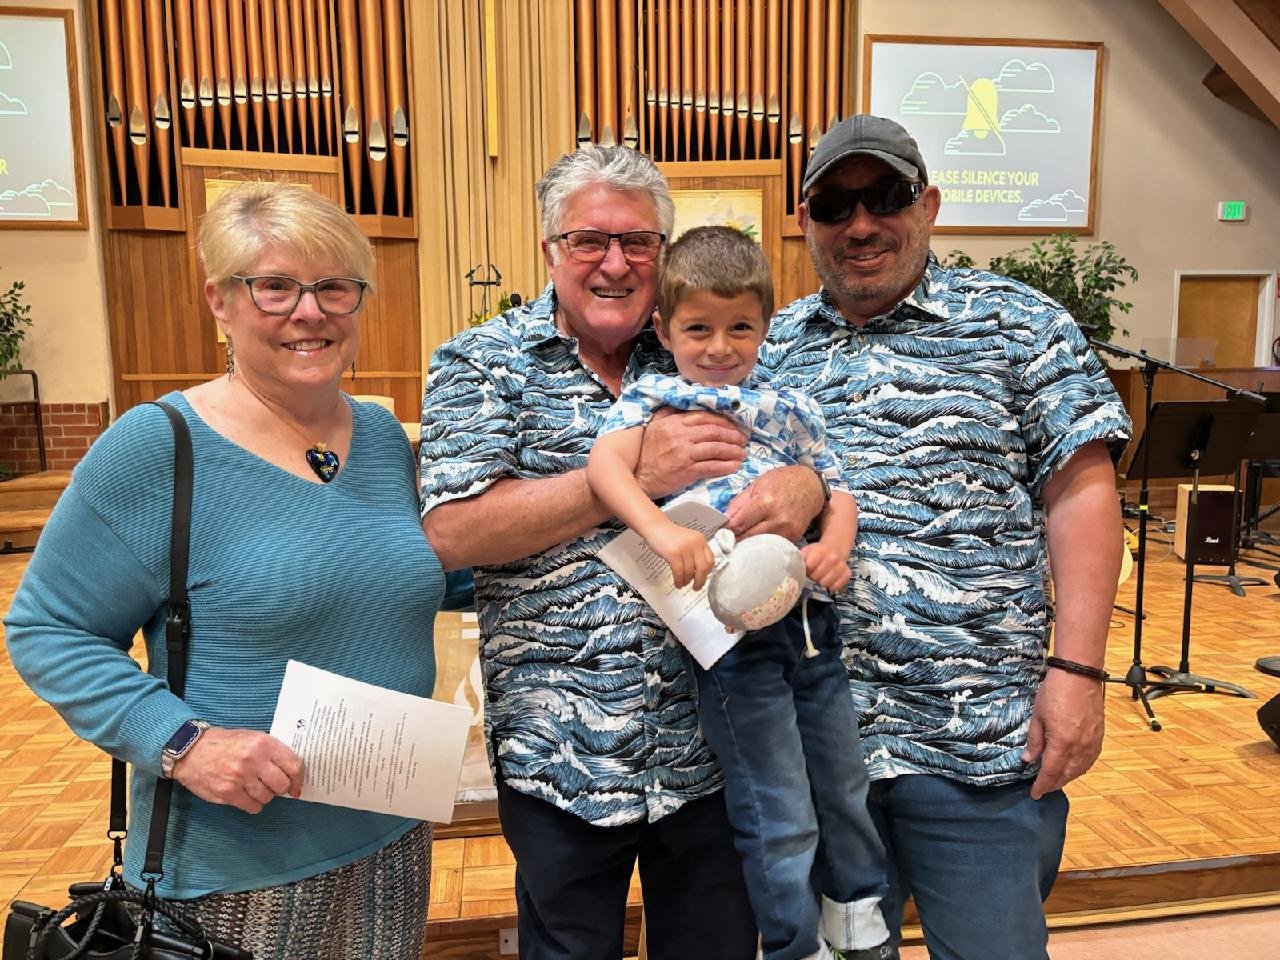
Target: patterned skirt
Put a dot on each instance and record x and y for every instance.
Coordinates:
(373, 909)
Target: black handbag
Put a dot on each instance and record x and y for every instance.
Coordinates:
(104, 928)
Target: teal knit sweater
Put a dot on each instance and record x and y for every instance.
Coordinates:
(336, 575)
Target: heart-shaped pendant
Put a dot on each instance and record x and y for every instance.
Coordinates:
(323, 462)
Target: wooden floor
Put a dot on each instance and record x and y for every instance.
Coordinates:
(1159, 818)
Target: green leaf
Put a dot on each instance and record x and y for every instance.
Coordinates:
(1082, 279)
(14, 319)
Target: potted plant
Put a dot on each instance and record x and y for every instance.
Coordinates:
(14, 319)
(505, 302)
(1082, 280)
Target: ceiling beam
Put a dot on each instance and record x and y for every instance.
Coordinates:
(1237, 45)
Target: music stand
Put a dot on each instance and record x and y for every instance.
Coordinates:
(1135, 677)
(1184, 439)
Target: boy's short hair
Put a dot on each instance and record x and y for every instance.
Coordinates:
(722, 260)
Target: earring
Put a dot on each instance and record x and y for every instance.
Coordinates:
(231, 359)
(353, 370)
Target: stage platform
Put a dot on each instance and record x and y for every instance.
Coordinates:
(1179, 821)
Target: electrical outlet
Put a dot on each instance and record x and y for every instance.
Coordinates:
(508, 941)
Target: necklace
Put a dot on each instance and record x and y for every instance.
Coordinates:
(323, 462)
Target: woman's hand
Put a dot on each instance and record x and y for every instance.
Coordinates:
(825, 566)
(246, 769)
(686, 551)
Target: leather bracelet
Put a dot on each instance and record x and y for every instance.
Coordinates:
(826, 486)
(1070, 666)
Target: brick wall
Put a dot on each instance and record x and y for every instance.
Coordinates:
(69, 429)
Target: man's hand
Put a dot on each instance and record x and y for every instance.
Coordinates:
(1066, 730)
(686, 551)
(680, 448)
(825, 566)
(246, 769)
(783, 501)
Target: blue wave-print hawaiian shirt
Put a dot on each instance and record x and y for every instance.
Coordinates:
(948, 415)
(587, 701)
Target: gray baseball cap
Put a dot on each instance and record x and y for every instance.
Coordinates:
(874, 136)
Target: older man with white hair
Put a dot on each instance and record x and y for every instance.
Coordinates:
(591, 719)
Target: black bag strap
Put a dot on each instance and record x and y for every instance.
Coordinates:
(177, 630)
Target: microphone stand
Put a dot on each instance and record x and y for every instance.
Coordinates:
(1136, 676)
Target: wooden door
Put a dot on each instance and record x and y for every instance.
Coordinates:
(1224, 308)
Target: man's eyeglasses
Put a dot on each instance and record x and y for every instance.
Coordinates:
(881, 199)
(279, 296)
(590, 246)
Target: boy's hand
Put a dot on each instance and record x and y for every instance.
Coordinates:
(825, 566)
(687, 553)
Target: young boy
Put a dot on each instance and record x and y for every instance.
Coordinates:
(775, 709)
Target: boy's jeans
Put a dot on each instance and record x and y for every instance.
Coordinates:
(783, 727)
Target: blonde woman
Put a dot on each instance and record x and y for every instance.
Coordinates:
(305, 544)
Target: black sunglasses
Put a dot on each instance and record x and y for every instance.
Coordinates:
(881, 199)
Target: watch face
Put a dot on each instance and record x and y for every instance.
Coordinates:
(181, 741)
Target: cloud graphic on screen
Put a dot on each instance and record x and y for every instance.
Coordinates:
(14, 204)
(1018, 76)
(11, 106)
(1043, 211)
(932, 96)
(6, 61)
(1027, 119)
(966, 144)
(54, 193)
(1071, 201)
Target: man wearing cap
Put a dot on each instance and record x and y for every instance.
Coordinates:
(973, 423)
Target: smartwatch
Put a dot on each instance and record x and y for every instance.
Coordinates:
(180, 745)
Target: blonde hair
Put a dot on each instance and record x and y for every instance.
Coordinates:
(722, 260)
(252, 217)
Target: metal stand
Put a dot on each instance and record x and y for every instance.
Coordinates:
(39, 418)
(1183, 680)
(1135, 677)
(1263, 449)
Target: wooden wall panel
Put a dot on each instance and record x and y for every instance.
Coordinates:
(390, 353)
(766, 176)
(161, 342)
(796, 275)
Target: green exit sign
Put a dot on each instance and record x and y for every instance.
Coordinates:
(1232, 210)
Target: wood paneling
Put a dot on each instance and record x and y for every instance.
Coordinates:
(765, 176)
(795, 269)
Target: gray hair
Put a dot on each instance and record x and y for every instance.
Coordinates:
(618, 167)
